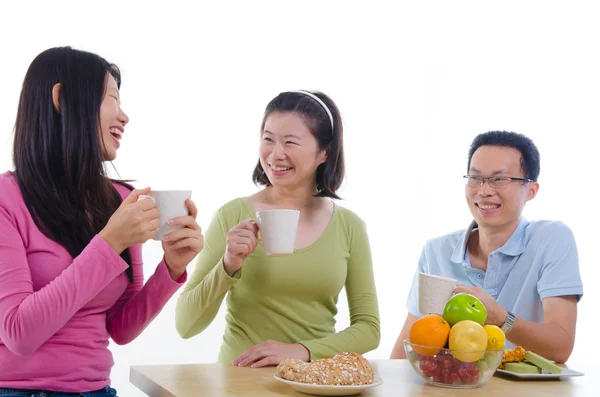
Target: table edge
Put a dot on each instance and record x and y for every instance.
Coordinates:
(146, 385)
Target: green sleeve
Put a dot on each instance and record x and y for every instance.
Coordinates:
(363, 334)
(203, 294)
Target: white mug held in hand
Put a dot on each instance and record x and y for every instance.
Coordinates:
(434, 292)
(278, 229)
(170, 204)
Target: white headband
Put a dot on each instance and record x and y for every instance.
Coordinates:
(316, 98)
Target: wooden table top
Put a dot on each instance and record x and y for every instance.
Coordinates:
(399, 379)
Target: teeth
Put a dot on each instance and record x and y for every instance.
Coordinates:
(488, 207)
(281, 168)
(116, 131)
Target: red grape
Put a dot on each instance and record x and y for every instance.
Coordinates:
(446, 375)
(454, 377)
(464, 374)
(448, 364)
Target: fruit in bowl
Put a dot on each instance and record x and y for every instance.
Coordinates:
(456, 349)
(462, 307)
(467, 341)
(446, 370)
(430, 330)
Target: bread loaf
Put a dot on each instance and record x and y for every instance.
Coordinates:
(342, 369)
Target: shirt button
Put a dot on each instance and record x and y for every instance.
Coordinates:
(479, 276)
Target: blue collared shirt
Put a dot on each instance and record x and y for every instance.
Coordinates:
(538, 261)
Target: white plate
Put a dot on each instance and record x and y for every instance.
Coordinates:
(328, 390)
(544, 375)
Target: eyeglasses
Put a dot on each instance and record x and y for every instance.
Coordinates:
(494, 181)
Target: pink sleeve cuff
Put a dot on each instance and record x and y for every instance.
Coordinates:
(163, 272)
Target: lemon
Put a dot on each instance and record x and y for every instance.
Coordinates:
(495, 337)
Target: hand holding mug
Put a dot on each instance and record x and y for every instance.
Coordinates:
(242, 240)
(134, 222)
(184, 243)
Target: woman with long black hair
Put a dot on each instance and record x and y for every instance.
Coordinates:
(70, 237)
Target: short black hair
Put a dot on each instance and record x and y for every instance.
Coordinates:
(530, 156)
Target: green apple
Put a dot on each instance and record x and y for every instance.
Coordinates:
(464, 307)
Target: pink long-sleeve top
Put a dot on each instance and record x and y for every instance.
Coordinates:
(57, 312)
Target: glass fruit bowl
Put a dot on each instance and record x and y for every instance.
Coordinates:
(462, 369)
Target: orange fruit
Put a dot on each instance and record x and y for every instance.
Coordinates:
(430, 330)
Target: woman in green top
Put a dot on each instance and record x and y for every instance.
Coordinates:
(285, 307)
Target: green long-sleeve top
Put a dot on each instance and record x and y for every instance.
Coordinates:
(291, 299)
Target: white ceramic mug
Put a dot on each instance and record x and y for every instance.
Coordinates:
(278, 229)
(434, 292)
(170, 204)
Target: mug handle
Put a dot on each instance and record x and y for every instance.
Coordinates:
(259, 237)
(145, 196)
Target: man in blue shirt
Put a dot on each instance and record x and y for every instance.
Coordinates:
(525, 273)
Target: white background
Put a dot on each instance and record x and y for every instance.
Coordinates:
(415, 82)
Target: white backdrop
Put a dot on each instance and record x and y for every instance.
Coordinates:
(415, 82)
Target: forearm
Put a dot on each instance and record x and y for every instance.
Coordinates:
(398, 352)
(139, 305)
(548, 340)
(198, 305)
(360, 337)
(30, 318)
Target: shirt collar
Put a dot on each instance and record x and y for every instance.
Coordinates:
(515, 245)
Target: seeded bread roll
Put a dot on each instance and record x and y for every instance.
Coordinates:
(344, 369)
